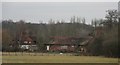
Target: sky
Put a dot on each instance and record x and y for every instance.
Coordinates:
(0, 13)
(35, 11)
(59, 0)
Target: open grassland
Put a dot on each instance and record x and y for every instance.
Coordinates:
(56, 59)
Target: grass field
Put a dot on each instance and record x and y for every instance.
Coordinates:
(57, 59)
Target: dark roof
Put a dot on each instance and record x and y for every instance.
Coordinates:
(28, 39)
(66, 40)
(85, 42)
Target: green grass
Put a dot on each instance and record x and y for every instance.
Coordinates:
(57, 59)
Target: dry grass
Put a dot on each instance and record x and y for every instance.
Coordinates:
(57, 59)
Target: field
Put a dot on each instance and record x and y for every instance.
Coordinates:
(56, 59)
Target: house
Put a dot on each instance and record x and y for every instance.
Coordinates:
(66, 44)
(28, 44)
(24, 42)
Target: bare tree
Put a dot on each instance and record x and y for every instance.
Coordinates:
(111, 16)
(83, 21)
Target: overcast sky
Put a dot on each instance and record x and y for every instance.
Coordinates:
(36, 11)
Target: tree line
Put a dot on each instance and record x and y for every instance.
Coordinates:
(105, 43)
(43, 31)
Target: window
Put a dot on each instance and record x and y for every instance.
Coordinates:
(25, 42)
(64, 47)
(72, 46)
(30, 42)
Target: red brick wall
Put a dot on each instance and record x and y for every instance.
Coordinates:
(58, 48)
